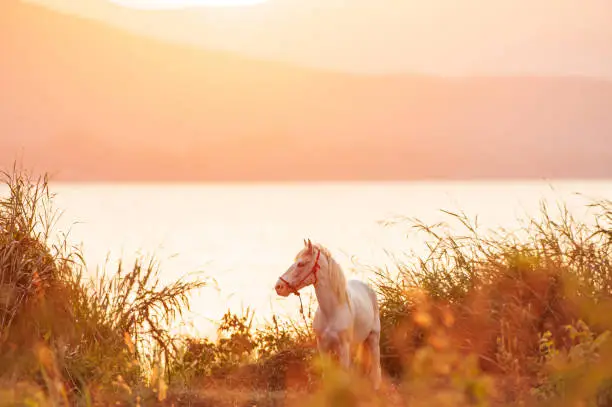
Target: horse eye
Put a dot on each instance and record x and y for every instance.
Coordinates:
(300, 264)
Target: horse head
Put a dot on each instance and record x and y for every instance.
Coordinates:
(302, 273)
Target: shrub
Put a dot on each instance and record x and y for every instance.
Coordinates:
(503, 289)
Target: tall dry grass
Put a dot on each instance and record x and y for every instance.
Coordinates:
(488, 318)
(74, 337)
(505, 299)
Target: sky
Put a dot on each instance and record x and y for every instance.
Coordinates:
(182, 4)
(445, 37)
(174, 113)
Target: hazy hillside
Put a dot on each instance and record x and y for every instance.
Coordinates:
(91, 102)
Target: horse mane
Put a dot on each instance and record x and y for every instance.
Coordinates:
(336, 277)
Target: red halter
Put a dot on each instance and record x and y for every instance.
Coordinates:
(312, 271)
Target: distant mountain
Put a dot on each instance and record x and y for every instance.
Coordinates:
(89, 102)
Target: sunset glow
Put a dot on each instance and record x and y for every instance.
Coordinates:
(182, 4)
(300, 203)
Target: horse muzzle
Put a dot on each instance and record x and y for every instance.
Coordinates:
(282, 288)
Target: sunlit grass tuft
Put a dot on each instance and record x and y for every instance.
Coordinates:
(75, 338)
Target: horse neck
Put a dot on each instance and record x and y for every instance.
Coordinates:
(327, 296)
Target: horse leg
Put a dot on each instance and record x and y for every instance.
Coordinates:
(320, 346)
(365, 358)
(373, 348)
(344, 354)
(325, 351)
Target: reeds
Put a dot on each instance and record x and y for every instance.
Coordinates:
(74, 334)
(491, 318)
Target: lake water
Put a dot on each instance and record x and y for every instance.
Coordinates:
(246, 235)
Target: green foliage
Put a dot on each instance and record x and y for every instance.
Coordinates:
(563, 368)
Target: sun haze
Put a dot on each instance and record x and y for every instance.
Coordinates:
(182, 4)
(229, 93)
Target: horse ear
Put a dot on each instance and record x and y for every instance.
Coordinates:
(309, 245)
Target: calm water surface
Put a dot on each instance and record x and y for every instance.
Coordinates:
(246, 235)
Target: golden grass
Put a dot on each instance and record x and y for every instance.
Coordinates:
(491, 319)
(74, 337)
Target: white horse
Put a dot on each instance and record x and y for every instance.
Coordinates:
(347, 317)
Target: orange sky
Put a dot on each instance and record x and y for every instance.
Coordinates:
(182, 4)
(88, 101)
(435, 36)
